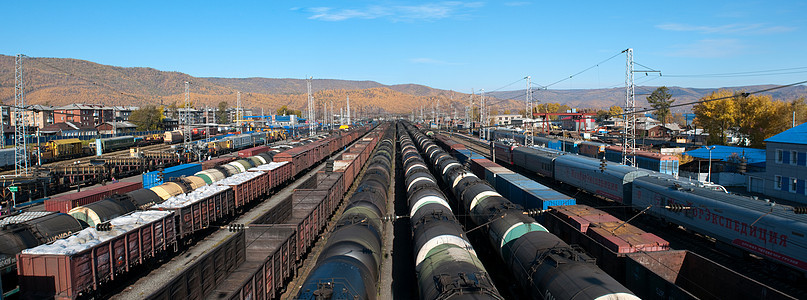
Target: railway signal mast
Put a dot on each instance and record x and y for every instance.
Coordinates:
(528, 126)
(187, 133)
(482, 116)
(629, 139)
(20, 124)
(312, 126)
(239, 112)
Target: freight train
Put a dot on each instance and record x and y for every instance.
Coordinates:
(643, 260)
(544, 265)
(188, 205)
(349, 264)
(766, 229)
(277, 242)
(447, 265)
(665, 164)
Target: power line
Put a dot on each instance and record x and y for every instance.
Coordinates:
(744, 74)
(727, 97)
(583, 71)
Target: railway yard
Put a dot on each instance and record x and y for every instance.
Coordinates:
(385, 211)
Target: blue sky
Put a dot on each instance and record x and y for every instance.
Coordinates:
(456, 45)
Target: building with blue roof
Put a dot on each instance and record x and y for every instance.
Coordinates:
(753, 157)
(786, 159)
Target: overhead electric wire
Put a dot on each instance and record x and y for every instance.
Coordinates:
(583, 71)
(723, 98)
(744, 74)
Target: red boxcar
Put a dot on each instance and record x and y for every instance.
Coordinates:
(249, 190)
(65, 203)
(193, 216)
(253, 151)
(45, 273)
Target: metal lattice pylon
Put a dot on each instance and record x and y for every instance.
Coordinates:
(311, 116)
(629, 139)
(239, 112)
(20, 124)
(529, 126)
(187, 131)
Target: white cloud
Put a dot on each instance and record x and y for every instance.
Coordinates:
(431, 61)
(710, 48)
(757, 28)
(426, 12)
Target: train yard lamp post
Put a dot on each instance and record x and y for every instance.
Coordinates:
(709, 175)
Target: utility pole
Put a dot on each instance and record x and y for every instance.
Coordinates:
(348, 110)
(239, 115)
(482, 116)
(469, 111)
(629, 137)
(187, 133)
(528, 127)
(311, 118)
(20, 125)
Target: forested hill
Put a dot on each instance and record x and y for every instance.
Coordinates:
(61, 81)
(603, 98)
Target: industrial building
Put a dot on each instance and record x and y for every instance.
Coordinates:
(786, 160)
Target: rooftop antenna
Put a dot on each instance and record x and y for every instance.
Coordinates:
(20, 126)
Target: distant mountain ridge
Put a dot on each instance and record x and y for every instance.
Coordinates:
(62, 81)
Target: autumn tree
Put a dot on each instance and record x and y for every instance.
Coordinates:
(754, 117)
(601, 116)
(221, 113)
(615, 110)
(660, 100)
(716, 117)
(147, 118)
(285, 111)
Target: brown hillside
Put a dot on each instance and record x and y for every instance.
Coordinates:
(61, 81)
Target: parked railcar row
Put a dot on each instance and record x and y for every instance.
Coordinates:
(190, 217)
(619, 246)
(772, 231)
(545, 266)
(645, 262)
(348, 266)
(446, 263)
(258, 263)
(665, 164)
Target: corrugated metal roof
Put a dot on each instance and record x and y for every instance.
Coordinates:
(795, 135)
(723, 152)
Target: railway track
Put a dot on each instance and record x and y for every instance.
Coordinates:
(678, 237)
